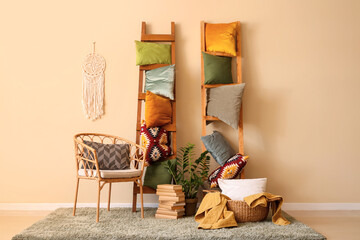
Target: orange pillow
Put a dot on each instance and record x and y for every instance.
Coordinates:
(157, 110)
(221, 37)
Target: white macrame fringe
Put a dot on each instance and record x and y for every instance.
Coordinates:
(93, 95)
(93, 85)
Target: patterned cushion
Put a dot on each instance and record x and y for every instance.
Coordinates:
(229, 170)
(156, 142)
(110, 156)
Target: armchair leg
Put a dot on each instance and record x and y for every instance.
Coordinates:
(98, 202)
(76, 194)
(142, 199)
(134, 198)
(108, 208)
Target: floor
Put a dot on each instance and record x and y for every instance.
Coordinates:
(344, 225)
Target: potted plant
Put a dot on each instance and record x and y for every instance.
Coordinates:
(190, 174)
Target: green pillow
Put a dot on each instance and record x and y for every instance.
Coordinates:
(217, 69)
(157, 173)
(225, 103)
(161, 81)
(152, 53)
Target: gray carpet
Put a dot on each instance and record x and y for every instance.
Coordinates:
(121, 223)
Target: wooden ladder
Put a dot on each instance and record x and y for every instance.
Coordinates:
(204, 86)
(171, 128)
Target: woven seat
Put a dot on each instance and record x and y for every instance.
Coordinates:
(127, 173)
(87, 165)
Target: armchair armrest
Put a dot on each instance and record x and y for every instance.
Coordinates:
(86, 160)
(137, 156)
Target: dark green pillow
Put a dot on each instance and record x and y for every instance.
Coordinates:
(157, 173)
(217, 69)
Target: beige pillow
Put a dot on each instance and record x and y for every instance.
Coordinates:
(225, 103)
(237, 189)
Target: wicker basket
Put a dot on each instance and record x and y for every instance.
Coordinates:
(243, 213)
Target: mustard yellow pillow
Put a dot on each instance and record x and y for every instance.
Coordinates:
(157, 110)
(220, 37)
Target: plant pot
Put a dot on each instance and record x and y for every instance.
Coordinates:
(190, 206)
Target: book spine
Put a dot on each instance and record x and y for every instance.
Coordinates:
(175, 199)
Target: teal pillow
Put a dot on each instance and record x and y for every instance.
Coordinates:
(157, 174)
(161, 81)
(152, 53)
(225, 103)
(218, 147)
(217, 69)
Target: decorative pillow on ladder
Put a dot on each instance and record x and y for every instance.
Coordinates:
(157, 173)
(161, 81)
(221, 37)
(110, 156)
(229, 170)
(218, 147)
(156, 142)
(225, 103)
(217, 70)
(158, 110)
(152, 53)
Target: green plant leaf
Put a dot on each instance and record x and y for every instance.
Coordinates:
(187, 172)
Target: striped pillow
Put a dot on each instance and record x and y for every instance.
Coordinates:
(110, 156)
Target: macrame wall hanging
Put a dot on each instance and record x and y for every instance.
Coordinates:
(93, 85)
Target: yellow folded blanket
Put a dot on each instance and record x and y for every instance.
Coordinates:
(275, 201)
(213, 213)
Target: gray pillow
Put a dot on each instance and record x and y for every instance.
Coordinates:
(110, 156)
(218, 147)
(225, 103)
(161, 81)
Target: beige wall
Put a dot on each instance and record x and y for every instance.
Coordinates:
(301, 106)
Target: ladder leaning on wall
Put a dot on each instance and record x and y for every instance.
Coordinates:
(204, 86)
(171, 128)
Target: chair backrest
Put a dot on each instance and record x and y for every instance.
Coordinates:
(86, 157)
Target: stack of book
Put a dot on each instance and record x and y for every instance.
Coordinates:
(171, 201)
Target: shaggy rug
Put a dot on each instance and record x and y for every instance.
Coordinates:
(121, 223)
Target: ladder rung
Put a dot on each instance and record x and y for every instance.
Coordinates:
(169, 127)
(222, 54)
(219, 85)
(152, 66)
(143, 95)
(158, 37)
(211, 118)
(146, 189)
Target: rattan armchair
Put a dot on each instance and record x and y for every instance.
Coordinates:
(87, 166)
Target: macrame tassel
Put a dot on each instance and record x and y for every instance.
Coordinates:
(93, 85)
(93, 96)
